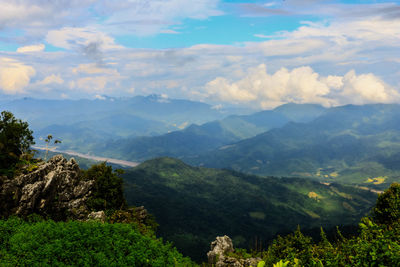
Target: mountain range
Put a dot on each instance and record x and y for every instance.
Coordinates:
(354, 144)
(82, 123)
(351, 144)
(196, 139)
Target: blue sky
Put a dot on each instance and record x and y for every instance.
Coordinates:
(252, 53)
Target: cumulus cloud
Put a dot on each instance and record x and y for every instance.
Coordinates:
(31, 48)
(365, 88)
(14, 75)
(300, 85)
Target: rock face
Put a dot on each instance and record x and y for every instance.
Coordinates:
(54, 189)
(97, 216)
(217, 256)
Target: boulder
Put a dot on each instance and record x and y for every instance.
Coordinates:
(218, 255)
(55, 190)
(97, 216)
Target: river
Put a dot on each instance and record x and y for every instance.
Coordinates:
(92, 157)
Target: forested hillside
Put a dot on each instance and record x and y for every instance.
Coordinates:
(193, 205)
(351, 144)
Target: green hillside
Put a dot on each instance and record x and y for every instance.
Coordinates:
(353, 144)
(193, 205)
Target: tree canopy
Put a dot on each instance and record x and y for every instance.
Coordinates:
(108, 192)
(15, 140)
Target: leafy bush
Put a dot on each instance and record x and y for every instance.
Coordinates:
(146, 224)
(82, 244)
(108, 192)
(377, 244)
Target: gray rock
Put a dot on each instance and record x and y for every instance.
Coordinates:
(54, 189)
(218, 257)
(97, 216)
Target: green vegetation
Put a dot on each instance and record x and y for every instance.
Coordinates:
(108, 191)
(38, 242)
(75, 243)
(15, 140)
(47, 140)
(194, 205)
(377, 244)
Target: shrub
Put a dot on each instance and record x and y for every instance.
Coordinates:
(82, 244)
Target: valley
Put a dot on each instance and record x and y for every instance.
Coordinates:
(249, 176)
(212, 133)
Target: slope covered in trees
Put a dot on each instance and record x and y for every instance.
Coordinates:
(376, 244)
(194, 205)
(352, 144)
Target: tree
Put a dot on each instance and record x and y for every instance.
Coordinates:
(387, 208)
(108, 193)
(47, 140)
(15, 140)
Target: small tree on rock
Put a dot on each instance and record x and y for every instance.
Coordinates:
(47, 140)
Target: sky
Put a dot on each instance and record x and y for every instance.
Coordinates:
(257, 54)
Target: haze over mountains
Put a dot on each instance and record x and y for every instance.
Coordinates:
(353, 144)
(80, 123)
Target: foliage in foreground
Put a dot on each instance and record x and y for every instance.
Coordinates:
(378, 242)
(76, 243)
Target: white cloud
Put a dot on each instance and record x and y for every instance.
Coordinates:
(147, 17)
(51, 79)
(366, 88)
(36, 17)
(300, 85)
(14, 75)
(92, 84)
(100, 97)
(73, 38)
(31, 48)
(168, 31)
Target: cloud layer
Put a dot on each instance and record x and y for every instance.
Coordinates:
(301, 85)
(71, 49)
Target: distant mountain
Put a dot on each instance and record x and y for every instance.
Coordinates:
(109, 118)
(193, 205)
(301, 112)
(188, 142)
(348, 143)
(197, 139)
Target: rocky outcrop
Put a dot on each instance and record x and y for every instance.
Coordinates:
(97, 216)
(53, 190)
(218, 256)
